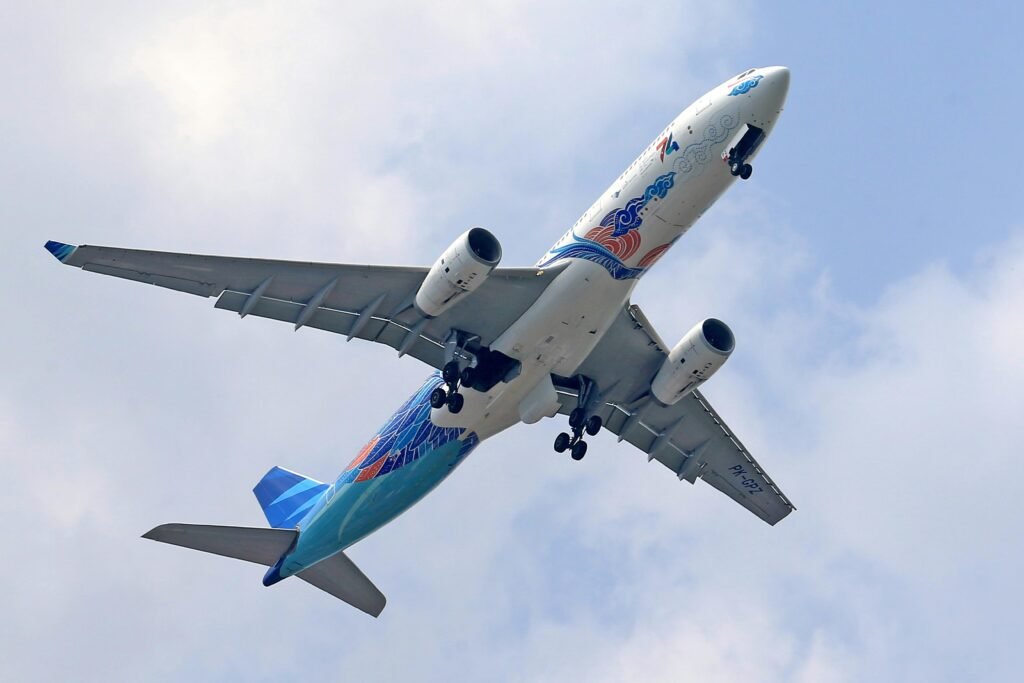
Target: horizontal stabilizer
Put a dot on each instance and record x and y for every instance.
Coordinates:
(336, 575)
(340, 577)
(286, 497)
(262, 546)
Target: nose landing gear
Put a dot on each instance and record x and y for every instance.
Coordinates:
(738, 155)
(743, 170)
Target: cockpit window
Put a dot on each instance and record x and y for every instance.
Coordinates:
(746, 73)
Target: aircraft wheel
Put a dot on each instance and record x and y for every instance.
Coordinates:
(594, 425)
(576, 418)
(438, 397)
(746, 170)
(579, 449)
(455, 402)
(468, 376)
(562, 442)
(450, 372)
(735, 168)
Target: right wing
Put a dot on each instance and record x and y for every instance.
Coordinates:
(689, 437)
(368, 302)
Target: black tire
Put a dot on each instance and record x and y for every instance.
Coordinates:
(438, 397)
(746, 171)
(468, 376)
(594, 425)
(450, 372)
(562, 442)
(579, 449)
(576, 418)
(735, 168)
(455, 402)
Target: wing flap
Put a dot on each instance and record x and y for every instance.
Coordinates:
(403, 337)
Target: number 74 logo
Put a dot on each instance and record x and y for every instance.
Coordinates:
(667, 146)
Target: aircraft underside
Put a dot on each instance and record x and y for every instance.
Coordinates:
(508, 346)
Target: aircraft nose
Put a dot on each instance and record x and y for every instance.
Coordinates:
(776, 80)
(770, 93)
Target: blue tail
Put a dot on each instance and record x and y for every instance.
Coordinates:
(286, 497)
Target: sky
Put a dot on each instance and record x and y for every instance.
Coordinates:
(872, 270)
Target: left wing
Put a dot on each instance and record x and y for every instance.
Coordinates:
(368, 302)
(689, 437)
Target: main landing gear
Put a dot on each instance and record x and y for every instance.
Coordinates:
(453, 378)
(574, 443)
(580, 422)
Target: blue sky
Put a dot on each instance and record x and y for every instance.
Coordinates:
(872, 269)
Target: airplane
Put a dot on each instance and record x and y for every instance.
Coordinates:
(508, 345)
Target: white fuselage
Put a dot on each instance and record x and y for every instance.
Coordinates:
(599, 261)
(655, 200)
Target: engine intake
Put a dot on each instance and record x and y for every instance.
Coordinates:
(461, 269)
(692, 361)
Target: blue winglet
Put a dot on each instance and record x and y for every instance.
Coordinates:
(60, 250)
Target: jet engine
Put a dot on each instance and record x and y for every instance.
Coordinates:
(694, 359)
(461, 269)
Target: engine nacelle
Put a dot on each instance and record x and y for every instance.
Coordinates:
(696, 357)
(461, 269)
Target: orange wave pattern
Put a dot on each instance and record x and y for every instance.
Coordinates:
(653, 255)
(623, 247)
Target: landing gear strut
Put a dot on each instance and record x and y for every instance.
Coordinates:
(456, 372)
(468, 364)
(580, 421)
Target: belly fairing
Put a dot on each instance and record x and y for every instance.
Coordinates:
(401, 464)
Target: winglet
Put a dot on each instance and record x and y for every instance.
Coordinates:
(60, 250)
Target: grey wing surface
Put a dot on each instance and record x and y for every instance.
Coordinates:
(689, 437)
(358, 301)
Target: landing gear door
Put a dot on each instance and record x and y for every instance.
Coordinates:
(745, 145)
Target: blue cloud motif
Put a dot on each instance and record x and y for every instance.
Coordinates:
(625, 219)
(695, 156)
(628, 217)
(746, 86)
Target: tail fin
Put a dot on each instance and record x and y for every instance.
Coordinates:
(286, 496)
(336, 575)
